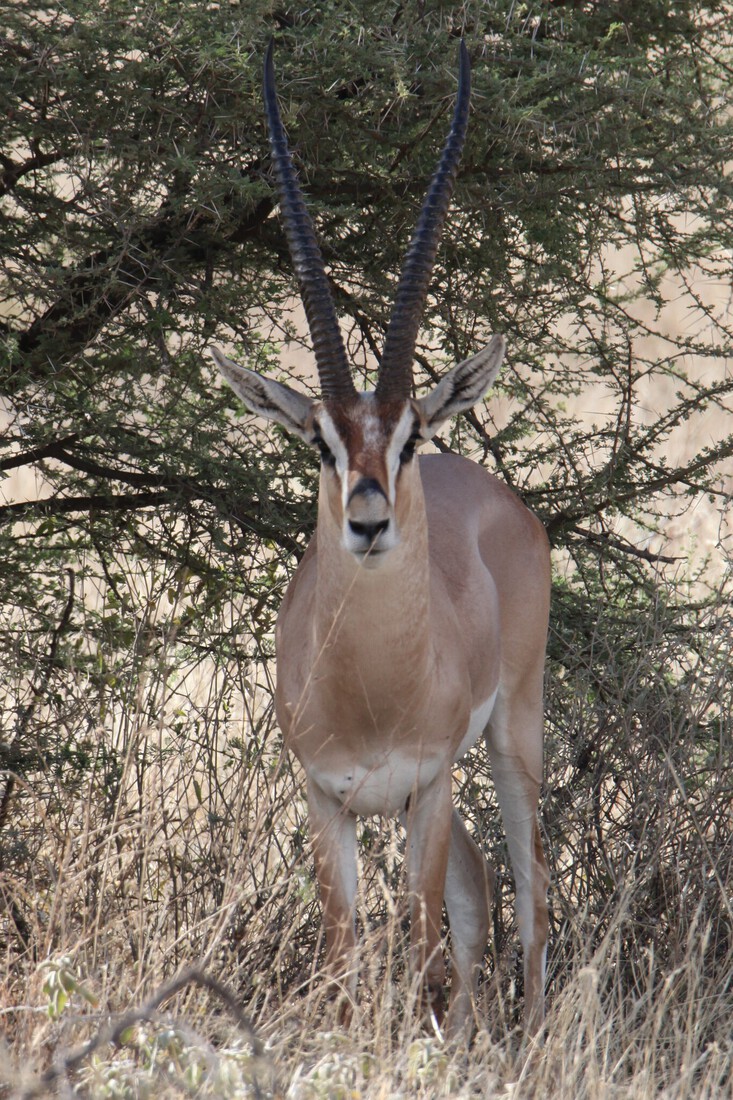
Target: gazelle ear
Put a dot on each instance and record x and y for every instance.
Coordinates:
(271, 399)
(461, 388)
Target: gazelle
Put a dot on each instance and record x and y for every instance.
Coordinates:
(416, 620)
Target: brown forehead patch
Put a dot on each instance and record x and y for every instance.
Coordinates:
(351, 417)
(365, 427)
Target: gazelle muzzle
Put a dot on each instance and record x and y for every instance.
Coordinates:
(368, 520)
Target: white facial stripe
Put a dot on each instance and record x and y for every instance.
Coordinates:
(400, 435)
(333, 441)
(336, 446)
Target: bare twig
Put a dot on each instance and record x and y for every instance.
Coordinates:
(114, 1033)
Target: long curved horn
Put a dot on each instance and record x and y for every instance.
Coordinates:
(395, 371)
(328, 345)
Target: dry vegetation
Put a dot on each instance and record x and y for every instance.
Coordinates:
(159, 924)
(184, 845)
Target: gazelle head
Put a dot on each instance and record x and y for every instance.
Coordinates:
(366, 440)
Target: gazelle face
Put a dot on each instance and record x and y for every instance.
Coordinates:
(369, 480)
(367, 471)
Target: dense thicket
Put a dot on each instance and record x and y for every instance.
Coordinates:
(138, 223)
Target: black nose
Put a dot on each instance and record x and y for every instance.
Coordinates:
(366, 487)
(371, 531)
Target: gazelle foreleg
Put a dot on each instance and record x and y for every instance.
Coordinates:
(333, 837)
(516, 767)
(469, 891)
(428, 821)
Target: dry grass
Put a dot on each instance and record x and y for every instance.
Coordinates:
(183, 842)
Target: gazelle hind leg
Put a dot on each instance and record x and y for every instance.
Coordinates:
(469, 891)
(515, 751)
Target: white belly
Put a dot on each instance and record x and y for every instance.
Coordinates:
(383, 785)
(476, 725)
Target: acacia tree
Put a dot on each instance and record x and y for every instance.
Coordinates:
(138, 219)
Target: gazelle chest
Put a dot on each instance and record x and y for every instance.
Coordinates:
(376, 776)
(377, 786)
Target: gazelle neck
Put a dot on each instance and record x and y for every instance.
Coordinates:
(380, 611)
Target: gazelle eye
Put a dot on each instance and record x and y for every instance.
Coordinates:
(327, 457)
(408, 450)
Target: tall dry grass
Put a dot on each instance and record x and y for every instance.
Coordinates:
(183, 843)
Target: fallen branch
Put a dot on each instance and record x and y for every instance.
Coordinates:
(114, 1033)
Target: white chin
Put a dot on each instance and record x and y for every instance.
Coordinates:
(370, 559)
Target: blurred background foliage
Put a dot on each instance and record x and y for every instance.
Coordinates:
(148, 525)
